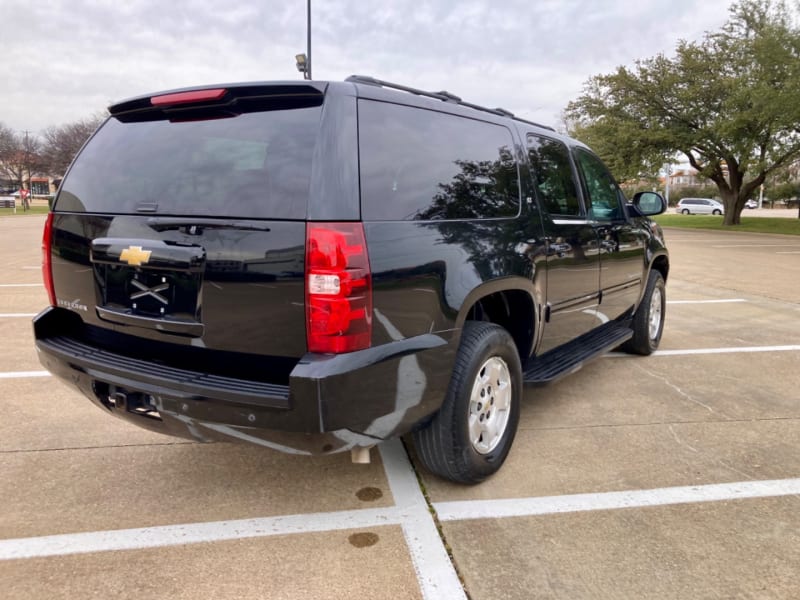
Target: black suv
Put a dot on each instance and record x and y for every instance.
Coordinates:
(318, 266)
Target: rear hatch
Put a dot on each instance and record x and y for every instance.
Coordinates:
(179, 231)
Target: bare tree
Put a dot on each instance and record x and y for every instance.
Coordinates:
(62, 143)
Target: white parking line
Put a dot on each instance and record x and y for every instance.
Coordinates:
(193, 533)
(789, 348)
(547, 505)
(436, 574)
(16, 315)
(10, 285)
(22, 374)
(734, 350)
(757, 246)
(723, 301)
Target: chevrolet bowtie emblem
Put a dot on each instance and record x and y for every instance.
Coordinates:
(135, 256)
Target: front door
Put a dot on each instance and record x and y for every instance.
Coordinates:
(621, 241)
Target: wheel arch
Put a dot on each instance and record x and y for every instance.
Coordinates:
(508, 302)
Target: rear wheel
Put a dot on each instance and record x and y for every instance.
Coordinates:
(471, 435)
(648, 321)
(685, 211)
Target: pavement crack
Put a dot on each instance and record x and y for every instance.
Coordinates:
(680, 441)
(675, 388)
(103, 447)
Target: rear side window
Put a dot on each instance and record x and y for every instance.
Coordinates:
(420, 164)
(552, 171)
(255, 165)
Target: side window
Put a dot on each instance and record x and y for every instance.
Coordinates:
(419, 164)
(605, 197)
(552, 173)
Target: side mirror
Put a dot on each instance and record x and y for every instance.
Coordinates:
(649, 203)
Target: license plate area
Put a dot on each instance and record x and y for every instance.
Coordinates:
(150, 292)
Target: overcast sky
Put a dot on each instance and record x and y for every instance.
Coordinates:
(63, 60)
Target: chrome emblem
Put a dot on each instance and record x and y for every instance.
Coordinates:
(135, 256)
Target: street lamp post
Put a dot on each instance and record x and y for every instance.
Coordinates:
(304, 60)
(308, 38)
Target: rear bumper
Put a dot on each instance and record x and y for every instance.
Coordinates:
(332, 403)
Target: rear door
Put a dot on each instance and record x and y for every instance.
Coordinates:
(573, 262)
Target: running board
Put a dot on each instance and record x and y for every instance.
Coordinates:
(566, 359)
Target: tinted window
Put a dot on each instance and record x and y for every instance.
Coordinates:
(256, 164)
(423, 165)
(605, 197)
(552, 172)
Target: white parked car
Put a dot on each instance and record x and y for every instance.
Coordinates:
(700, 206)
(751, 204)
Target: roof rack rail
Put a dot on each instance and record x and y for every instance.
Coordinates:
(442, 95)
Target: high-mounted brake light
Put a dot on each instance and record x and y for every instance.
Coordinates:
(338, 288)
(188, 97)
(47, 265)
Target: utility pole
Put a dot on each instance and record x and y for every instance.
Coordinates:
(26, 166)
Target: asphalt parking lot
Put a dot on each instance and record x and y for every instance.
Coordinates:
(671, 476)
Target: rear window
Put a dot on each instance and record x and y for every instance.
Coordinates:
(420, 164)
(254, 165)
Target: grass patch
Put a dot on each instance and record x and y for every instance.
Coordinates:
(749, 224)
(33, 210)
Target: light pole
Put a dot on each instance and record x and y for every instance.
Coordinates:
(304, 60)
(308, 37)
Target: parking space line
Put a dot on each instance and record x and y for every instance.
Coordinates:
(756, 246)
(23, 374)
(193, 533)
(723, 301)
(734, 350)
(16, 315)
(696, 351)
(10, 285)
(436, 574)
(546, 505)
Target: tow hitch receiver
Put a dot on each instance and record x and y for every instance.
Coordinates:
(133, 402)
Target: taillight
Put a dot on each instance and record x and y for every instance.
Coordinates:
(338, 288)
(47, 266)
(188, 97)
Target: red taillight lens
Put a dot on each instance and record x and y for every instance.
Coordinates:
(47, 267)
(338, 288)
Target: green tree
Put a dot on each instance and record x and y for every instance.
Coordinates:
(729, 103)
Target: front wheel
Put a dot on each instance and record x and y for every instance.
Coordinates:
(716, 211)
(471, 435)
(648, 321)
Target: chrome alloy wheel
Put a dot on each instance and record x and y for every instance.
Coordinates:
(489, 406)
(654, 323)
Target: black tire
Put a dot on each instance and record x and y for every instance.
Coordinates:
(685, 211)
(716, 211)
(645, 338)
(445, 446)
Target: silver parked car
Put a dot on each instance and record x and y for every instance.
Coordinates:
(700, 206)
